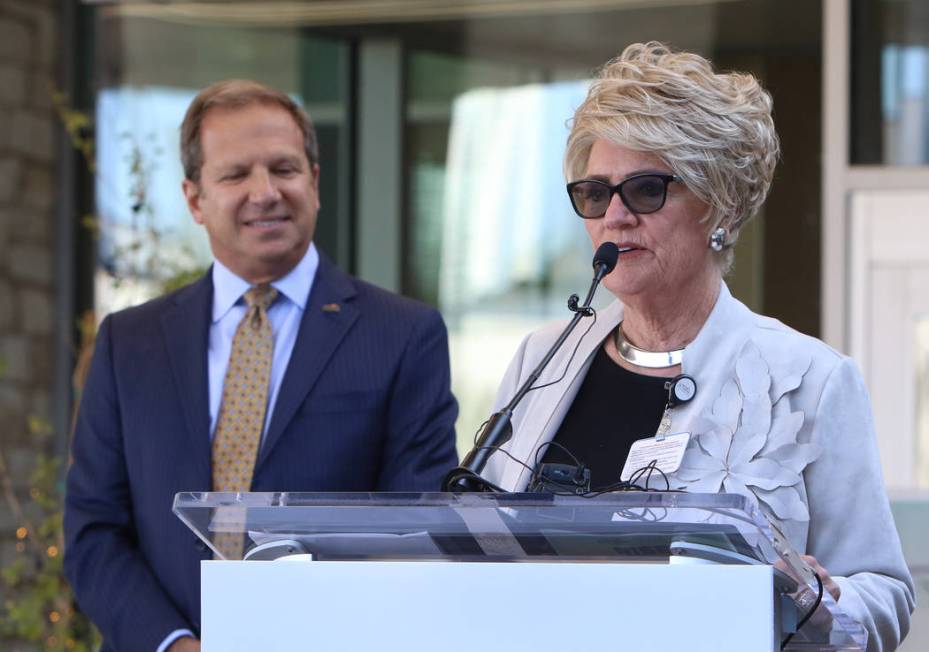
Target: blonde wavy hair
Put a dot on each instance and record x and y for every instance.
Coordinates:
(714, 130)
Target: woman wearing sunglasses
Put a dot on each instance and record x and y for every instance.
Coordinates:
(668, 160)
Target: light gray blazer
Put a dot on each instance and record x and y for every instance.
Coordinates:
(779, 417)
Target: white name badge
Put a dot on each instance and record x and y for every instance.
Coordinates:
(667, 451)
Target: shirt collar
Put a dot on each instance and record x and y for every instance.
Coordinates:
(228, 288)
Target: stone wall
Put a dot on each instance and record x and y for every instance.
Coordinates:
(29, 60)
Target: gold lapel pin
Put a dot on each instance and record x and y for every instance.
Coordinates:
(331, 307)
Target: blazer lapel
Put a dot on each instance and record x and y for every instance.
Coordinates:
(186, 328)
(548, 407)
(322, 329)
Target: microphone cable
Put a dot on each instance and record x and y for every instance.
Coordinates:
(577, 346)
(809, 614)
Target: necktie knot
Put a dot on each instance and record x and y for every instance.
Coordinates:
(260, 296)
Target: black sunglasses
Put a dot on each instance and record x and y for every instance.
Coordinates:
(641, 194)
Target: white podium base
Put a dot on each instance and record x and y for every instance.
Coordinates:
(287, 606)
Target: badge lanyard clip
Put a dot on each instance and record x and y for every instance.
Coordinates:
(681, 389)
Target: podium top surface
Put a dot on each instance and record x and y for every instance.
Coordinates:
(483, 526)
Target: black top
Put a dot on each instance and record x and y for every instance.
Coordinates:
(614, 408)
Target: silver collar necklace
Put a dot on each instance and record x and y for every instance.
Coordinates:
(643, 358)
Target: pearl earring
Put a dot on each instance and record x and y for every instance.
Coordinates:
(718, 239)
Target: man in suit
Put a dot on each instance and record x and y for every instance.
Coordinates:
(353, 381)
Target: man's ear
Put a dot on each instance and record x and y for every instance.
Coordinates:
(314, 182)
(192, 196)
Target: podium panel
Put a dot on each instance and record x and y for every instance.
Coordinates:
(287, 606)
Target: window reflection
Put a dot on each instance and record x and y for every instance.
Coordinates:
(146, 235)
(507, 223)
(890, 82)
(512, 250)
(493, 240)
(905, 103)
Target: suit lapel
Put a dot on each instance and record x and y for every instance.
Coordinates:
(186, 328)
(322, 329)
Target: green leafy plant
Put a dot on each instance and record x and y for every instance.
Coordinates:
(38, 603)
(38, 608)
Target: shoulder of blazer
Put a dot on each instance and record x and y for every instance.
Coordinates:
(334, 285)
(193, 299)
(197, 293)
(775, 338)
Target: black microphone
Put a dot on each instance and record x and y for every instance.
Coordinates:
(499, 427)
(605, 259)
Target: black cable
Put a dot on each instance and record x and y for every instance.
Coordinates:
(647, 471)
(571, 359)
(638, 473)
(803, 621)
(570, 489)
(532, 471)
(564, 448)
(500, 449)
(467, 474)
(536, 472)
(487, 484)
(647, 515)
(619, 486)
(478, 432)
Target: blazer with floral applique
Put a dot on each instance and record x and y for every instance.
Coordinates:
(779, 417)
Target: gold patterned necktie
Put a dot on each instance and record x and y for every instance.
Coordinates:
(245, 395)
(244, 403)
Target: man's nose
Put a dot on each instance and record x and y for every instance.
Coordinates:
(262, 188)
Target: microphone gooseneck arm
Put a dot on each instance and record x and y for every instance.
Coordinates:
(499, 428)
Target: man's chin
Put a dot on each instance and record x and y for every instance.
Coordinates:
(279, 260)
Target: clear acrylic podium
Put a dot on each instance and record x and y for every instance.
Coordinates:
(391, 571)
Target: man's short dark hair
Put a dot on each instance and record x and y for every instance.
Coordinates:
(231, 94)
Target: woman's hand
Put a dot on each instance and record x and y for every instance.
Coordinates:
(828, 583)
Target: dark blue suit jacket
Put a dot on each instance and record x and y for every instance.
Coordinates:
(365, 405)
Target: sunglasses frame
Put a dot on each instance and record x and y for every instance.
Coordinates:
(618, 190)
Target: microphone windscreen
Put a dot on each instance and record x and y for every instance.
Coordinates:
(607, 255)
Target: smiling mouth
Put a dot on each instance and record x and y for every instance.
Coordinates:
(266, 222)
(624, 250)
